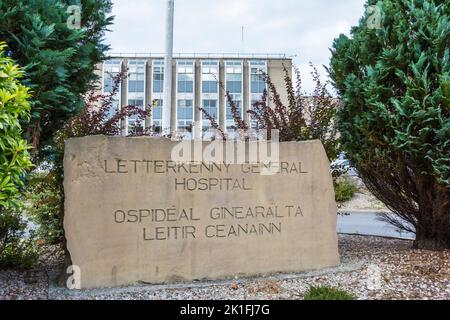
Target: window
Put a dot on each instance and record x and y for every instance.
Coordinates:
(136, 75)
(230, 119)
(136, 72)
(209, 87)
(257, 72)
(157, 109)
(136, 87)
(111, 68)
(258, 69)
(211, 108)
(185, 76)
(114, 108)
(234, 82)
(185, 94)
(157, 114)
(157, 94)
(185, 125)
(233, 79)
(136, 80)
(158, 76)
(136, 102)
(185, 110)
(185, 113)
(210, 91)
(257, 82)
(210, 76)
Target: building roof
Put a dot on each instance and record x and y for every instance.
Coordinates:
(281, 56)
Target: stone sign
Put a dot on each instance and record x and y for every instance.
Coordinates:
(132, 213)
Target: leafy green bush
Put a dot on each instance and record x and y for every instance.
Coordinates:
(344, 189)
(328, 293)
(15, 251)
(43, 205)
(394, 79)
(14, 161)
(14, 107)
(22, 254)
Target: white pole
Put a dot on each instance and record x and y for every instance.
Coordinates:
(167, 102)
(242, 39)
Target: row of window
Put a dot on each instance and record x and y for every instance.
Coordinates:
(185, 87)
(185, 76)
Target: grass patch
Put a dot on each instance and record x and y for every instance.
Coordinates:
(328, 293)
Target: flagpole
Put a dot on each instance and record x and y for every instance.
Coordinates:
(168, 56)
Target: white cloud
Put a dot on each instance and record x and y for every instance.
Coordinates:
(296, 27)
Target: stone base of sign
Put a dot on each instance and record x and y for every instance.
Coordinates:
(133, 214)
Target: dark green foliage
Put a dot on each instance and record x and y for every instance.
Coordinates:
(328, 293)
(344, 189)
(15, 250)
(395, 126)
(59, 61)
(44, 200)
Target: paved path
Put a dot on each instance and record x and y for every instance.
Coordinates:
(367, 223)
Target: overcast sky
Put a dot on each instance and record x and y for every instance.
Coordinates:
(304, 28)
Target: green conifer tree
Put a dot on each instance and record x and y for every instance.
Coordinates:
(393, 75)
(58, 54)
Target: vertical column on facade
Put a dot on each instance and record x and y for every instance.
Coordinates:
(275, 70)
(124, 97)
(173, 107)
(222, 102)
(197, 98)
(246, 90)
(148, 94)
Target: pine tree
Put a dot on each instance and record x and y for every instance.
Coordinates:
(59, 58)
(393, 75)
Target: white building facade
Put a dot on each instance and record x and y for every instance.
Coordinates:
(197, 81)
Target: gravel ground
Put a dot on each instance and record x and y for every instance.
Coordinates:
(372, 268)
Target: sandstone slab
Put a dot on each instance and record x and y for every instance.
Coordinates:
(134, 214)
